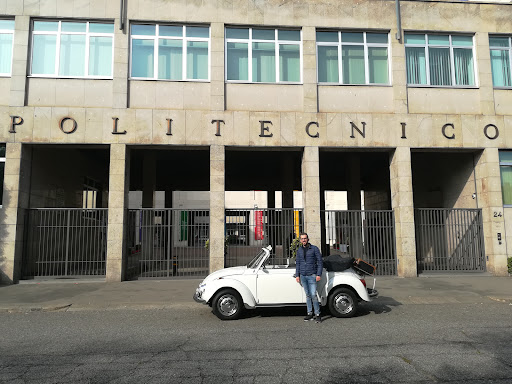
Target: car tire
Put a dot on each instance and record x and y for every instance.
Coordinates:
(342, 303)
(227, 304)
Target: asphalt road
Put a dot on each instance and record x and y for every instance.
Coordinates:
(424, 343)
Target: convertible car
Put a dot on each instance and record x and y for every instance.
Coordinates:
(229, 291)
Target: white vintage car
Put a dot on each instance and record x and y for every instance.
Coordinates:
(231, 290)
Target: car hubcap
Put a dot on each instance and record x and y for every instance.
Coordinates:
(227, 305)
(343, 303)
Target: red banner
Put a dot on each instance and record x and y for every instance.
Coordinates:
(258, 230)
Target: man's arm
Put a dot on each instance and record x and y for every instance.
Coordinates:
(319, 263)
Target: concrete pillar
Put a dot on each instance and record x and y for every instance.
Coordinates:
(483, 63)
(402, 203)
(19, 62)
(15, 201)
(311, 194)
(119, 186)
(399, 75)
(121, 58)
(310, 86)
(488, 186)
(217, 98)
(217, 206)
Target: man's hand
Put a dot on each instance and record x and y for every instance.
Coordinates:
(318, 278)
(297, 279)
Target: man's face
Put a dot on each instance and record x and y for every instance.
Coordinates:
(304, 240)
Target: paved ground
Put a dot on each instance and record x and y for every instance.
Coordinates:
(75, 295)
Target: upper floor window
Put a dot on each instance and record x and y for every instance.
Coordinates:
(352, 57)
(6, 46)
(72, 49)
(506, 176)
(170, 52)
(440, 60)
(259, 55)
(500, 60)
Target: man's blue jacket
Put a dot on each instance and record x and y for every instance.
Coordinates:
(308, 261)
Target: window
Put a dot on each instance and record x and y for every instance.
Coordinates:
(258, 55)
(500, 60)
(440, 60)
(352, 57)
(2, 170)
(506, 176)
(170, 52)
(6, 46)
(72, 49)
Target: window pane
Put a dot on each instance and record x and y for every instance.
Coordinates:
(500, 64)
(288, 35)
(170, 59)
(72, 55)
(328, 64)
(414, 39)
(416, 65)
(5, 52)
(353, 64)
(197, 60)
(101, 28)
(147, 30)
(198, 32)
(2, 150)
(48, 26)
(378, 65)
(499, 42)
(289, 62)
(263, 34)
(439, 62)
(506, 184)
(463, 64)
(7, 24)
(462, 41)
(238, 61)
(43, 54)
(352, 37)
(100, 56)
(170, 30)
(328, 37)
(263, 62)
(2, 171)
(438, 39)
(505, 156)
(143, 58)
(73, 27)
(381, 38)
(237, 33)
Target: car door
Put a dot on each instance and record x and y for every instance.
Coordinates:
(278, 286)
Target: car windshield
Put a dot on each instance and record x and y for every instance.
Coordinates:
(254, 262)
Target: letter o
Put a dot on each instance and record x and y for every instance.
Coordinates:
(496, 132)
(61, 125)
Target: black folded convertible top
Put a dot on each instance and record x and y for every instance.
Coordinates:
(338, 263)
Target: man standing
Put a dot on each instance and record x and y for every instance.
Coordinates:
(308, 272)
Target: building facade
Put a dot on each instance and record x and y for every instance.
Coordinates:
(167, 137)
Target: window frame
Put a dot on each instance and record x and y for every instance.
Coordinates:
(184, 39)
(365, 45)
(8, 32)
(450, 45)
(509, 49)
(249, 41)
(58, 35)
(503, 164)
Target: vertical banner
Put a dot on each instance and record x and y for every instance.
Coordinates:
(258, 220)
(184, 226)
(296, 225)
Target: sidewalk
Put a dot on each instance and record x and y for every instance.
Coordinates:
(76, 295)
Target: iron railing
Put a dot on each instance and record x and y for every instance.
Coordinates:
(449, 239)
(65, 242)
(165, 243)
(369, 235)
(248, 230)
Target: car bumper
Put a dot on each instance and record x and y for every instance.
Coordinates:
(372, 293)
(198, 298)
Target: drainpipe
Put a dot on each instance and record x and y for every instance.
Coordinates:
(121, 14)
(398, 22)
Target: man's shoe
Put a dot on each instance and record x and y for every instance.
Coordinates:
(318, 319)
(308, 317)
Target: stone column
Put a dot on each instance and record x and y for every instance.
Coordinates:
(483, 63)
(399, 74)
(217, 67)
(311, 194)
(121, 57)
(309, 69)
(19, 62)
(12, 214)
(217, 207)
(402, 204)
(490, 200)
(119, 186)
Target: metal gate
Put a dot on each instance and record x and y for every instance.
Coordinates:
(369, 235)
(165, 243)
(248, 230)
(449, 240)
(65, 242)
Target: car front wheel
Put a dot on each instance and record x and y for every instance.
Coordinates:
(342, 303)
(227, 305)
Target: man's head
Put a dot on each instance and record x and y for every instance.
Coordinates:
(304, 239)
